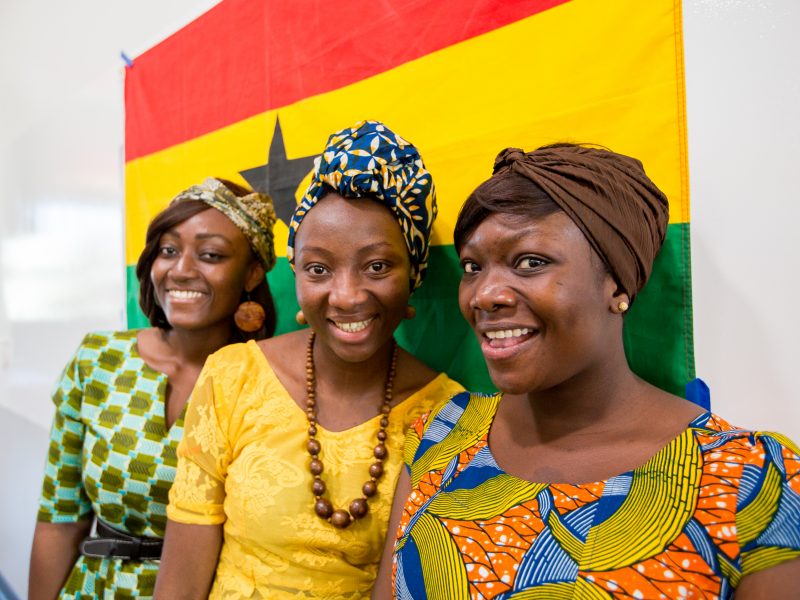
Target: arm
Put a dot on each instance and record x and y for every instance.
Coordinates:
(774, 583)
(195, 514)
(65, 513)
(54, 552)
(383, 583)
(189, 561)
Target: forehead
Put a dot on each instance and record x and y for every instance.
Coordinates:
(337, 220)
(207, 223)
(501, 230)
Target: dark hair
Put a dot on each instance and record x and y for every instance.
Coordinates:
(508, 193)
(168, 218)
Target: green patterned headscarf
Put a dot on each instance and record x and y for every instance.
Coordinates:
(253, 214)
(369, 160)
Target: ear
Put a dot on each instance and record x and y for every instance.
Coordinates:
(620, 301)
(255, 275)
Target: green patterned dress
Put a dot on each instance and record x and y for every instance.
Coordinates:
(111, 455)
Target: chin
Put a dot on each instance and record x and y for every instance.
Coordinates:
(513, 381)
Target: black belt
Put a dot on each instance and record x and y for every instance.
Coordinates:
(112, 543)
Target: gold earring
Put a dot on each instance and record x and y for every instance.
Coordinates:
(623, 306)
(411, 312)
(300, 318)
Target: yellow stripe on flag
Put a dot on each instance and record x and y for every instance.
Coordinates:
(608, 73)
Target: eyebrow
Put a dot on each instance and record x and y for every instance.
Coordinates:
(364, 250)
(199, 236)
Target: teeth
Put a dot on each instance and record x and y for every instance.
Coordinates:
(507, 333)
(185, 294)
(352, 326)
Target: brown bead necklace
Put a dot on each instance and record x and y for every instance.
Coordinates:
(340, 517)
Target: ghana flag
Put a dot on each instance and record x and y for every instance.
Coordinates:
(251, 90)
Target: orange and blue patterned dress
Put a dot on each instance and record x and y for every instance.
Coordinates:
(715, 504)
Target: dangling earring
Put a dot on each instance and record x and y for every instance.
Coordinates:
(300, 318)
(411, 312)
(249, 317)
(623, 306)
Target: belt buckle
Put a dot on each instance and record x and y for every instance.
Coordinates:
(100, 548)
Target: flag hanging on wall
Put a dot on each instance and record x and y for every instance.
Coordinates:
(251, 90)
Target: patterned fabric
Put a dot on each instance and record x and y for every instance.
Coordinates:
(253, 214)
(110, 455)
(243, 463)
(714, 505)
(369, 160)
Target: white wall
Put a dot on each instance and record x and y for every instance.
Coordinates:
(61, 253)
(61, 198)
(743, 95)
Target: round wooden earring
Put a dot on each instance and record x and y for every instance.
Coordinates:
(249, 317)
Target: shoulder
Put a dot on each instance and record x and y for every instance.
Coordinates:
(104, 350)
(285, 351)
(100, 341)
(470, 410)
(460, 422)
(747, 449)
(763, 468)
(236, 360)
(714, 432)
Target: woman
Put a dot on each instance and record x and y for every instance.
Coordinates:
(120, 401)
(293, 445)
(580, 480)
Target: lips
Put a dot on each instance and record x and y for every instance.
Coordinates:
(503, 343)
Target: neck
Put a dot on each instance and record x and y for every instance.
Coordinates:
(193, 347)
(351, 378)
(595, 400)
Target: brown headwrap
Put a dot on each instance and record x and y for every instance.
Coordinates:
(621, 212)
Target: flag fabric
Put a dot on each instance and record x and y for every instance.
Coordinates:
(251, 90)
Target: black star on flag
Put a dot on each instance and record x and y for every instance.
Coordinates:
(280, 176)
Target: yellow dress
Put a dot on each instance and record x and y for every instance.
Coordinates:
(243, 462)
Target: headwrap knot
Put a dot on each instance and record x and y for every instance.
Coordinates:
(620, 211)
(508, 157)
(253, 214)
(370, 160)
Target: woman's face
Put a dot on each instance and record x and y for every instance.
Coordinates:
(353, 273)
(202, 267)
(538, 299)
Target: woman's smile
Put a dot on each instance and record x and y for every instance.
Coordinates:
(353, 326)
(499, 344)
(184, 295)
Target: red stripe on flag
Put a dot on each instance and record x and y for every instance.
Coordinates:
(244, 57)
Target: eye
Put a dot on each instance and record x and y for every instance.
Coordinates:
(316, 269)
(470, 266)
(211, 256)
(167, 251)
(377, 267)
(530, 262)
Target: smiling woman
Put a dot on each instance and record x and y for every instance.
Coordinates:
(295, 443)
(580, 480)
(121, 400)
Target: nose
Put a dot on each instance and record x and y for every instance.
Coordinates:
(185, 267)
(491, 294)
(347, 293)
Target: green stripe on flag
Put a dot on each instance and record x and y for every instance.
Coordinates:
(659, 341)
(658, 328)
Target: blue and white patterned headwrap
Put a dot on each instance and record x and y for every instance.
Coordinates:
(368, 160)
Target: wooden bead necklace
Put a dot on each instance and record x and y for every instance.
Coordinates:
(340, 517)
